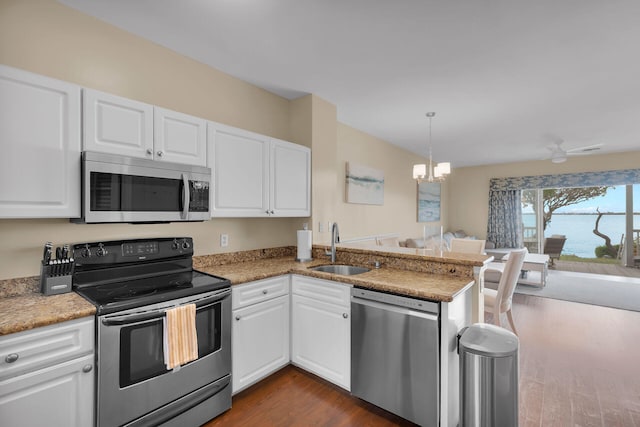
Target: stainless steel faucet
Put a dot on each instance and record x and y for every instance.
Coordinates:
(335, 238)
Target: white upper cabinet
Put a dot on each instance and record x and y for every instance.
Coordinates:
(257, 176)
(290, 190)
(239, 161)
(40, 139)
(179, 138)
(117, 125)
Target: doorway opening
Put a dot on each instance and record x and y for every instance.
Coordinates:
(601, 226)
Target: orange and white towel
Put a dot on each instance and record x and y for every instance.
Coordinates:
(180, 336)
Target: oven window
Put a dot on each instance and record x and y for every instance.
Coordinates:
(131, 193)
(141, 345)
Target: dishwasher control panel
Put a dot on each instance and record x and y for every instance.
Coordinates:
(397, 300)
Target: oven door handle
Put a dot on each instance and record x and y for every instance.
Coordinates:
(128, 319)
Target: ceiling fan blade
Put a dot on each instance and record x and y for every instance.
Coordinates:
(584, 150)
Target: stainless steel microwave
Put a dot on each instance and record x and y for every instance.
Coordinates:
(128, 189)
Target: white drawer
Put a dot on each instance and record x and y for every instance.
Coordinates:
(41, 347)
(321, 290)
(258, 291)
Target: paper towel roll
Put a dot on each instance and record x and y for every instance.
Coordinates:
(305, 239)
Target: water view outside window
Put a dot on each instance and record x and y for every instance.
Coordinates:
(577, 221)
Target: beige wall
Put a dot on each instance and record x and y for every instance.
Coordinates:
(469, 187)
(48, 38)
(398, 215)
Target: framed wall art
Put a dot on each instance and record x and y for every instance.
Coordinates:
(364, 185)
(428, 201)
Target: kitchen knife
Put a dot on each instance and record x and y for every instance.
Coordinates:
(65, 251)
(58, 252)
(46, 256)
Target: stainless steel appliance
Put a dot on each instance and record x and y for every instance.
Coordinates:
(132, 283)
(395, 361)
(128, 189)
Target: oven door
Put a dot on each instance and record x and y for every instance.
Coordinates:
(125, 189)
(132, 377)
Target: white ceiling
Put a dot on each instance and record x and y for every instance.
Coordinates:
(500, 74)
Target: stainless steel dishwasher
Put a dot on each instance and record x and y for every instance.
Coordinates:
(395, 361)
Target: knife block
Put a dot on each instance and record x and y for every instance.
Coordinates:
(52, 282)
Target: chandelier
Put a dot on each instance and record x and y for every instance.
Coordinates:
(431, 173)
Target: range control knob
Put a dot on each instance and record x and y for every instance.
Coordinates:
(175, 245)
(185, 244)
(85, 252)
(101, 250)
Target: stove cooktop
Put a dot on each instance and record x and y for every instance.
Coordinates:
(132, 293)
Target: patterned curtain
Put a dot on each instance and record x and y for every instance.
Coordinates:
(505, 219)
(581, 179)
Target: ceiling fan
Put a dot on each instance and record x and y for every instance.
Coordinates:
(559, 154)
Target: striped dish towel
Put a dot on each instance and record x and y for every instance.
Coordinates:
(180, 336)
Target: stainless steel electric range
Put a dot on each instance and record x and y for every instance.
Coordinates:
(132, 283)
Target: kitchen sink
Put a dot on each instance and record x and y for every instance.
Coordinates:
(345, 270)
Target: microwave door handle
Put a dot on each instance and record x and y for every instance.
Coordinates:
(186, 196)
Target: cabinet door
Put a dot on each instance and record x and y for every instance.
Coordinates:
(260, 341)
(179, 138)
(240, 166)
(40, 137)
(116, 125)
(321, 339)
(290, 178)
(61, 395)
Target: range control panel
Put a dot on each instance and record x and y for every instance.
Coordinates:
(127, 251)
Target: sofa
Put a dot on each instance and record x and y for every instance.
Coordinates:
(433, 242)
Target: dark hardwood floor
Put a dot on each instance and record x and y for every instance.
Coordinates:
(579, 366)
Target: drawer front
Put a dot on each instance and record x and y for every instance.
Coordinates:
(322, 290)
(46, 346)
(261, 290)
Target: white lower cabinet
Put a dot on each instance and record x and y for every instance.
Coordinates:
(321, 328)
(260, 330)
(47, 376)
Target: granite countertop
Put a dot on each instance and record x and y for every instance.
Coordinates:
(23, 307)
(404, 271)
(390, 277)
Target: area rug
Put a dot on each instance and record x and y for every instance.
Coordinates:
(597, 289)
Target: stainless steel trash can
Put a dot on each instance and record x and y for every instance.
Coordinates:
(488, 376)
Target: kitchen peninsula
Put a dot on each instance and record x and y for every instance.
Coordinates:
(445, 278)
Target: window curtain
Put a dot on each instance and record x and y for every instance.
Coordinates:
(581, 179)
(505, 219)
(505, 210)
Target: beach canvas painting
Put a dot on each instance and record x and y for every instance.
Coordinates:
(428, 202)
(364, 185)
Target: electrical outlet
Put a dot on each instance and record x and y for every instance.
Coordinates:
(320, 227)
(224, 240)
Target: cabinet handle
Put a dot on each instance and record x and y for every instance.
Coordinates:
(87, 368)
(160, 153)
(272, 212)
(11, 358)
(264, 291)
(149, 151)
(237, 317)
(345, 315)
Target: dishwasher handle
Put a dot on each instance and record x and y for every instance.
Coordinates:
(395, 309)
